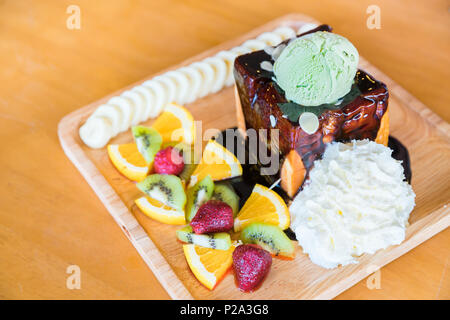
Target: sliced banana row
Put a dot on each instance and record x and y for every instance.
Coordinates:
(182, 86)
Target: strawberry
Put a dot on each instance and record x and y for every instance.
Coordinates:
(213, 216)
(251, 264)
(168, 161)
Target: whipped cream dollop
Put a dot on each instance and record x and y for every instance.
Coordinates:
(356, 201)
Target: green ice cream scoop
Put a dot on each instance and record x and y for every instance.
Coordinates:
(317, 68)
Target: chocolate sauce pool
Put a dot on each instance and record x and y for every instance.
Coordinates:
(251, 172)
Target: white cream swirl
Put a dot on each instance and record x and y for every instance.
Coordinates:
(182, 86)
(356, 201)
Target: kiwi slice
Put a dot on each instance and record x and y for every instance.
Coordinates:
(223, 191)
(269, 237)
(198, 195)
(148, 141)
(220, 241)
(165, 188)
(190, 163)
(189, 158)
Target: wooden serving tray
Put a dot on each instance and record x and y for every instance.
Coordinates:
(426, 136)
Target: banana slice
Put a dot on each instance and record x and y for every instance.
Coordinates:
(139, 106)
(195, 81)
(220, 73)
(285, 32)
(270, 38)
(149, 100)
(169, 85)
(113, 113)
(254, 45)
(182, 84)
(240, 50)
(124, 118)
(96, 132)
(306, 27)
(127, 108)
(207, 73)
(158, 92)
(228, 57)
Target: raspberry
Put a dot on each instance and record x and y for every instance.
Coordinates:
(213, 216)
(168, 161)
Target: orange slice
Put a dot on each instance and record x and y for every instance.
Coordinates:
(217, 162)
(383, 131)
(128, 160)
(263, 205)
(208, 265)
(160, 212)
(175, 124)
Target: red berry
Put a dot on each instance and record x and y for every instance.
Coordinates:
(250, 264)
(168, 161)
(213, 216)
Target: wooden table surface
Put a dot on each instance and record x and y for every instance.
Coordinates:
(49, 216)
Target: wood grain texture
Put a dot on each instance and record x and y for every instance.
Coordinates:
(424, 133)
(49, 216)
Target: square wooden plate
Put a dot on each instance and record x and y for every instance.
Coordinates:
(425, 135)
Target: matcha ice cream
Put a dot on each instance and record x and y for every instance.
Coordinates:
(317, 68)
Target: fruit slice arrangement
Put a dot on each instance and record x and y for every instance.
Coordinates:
(177, 191)
(148, 142)
(261, 221)
(223, 191)
(208, 265)
(263, 205)
(136, 160)
(159, 211)
(219, 241)
(197, 195)
(268, 237)
(217, 162)
(128, 160)
(176, 124)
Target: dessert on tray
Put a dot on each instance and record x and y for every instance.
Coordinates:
(309, 88)
(347, 194)
(332, 129)
(331, 126)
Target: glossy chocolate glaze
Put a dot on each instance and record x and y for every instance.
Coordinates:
(260, 98)
(251, 172)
